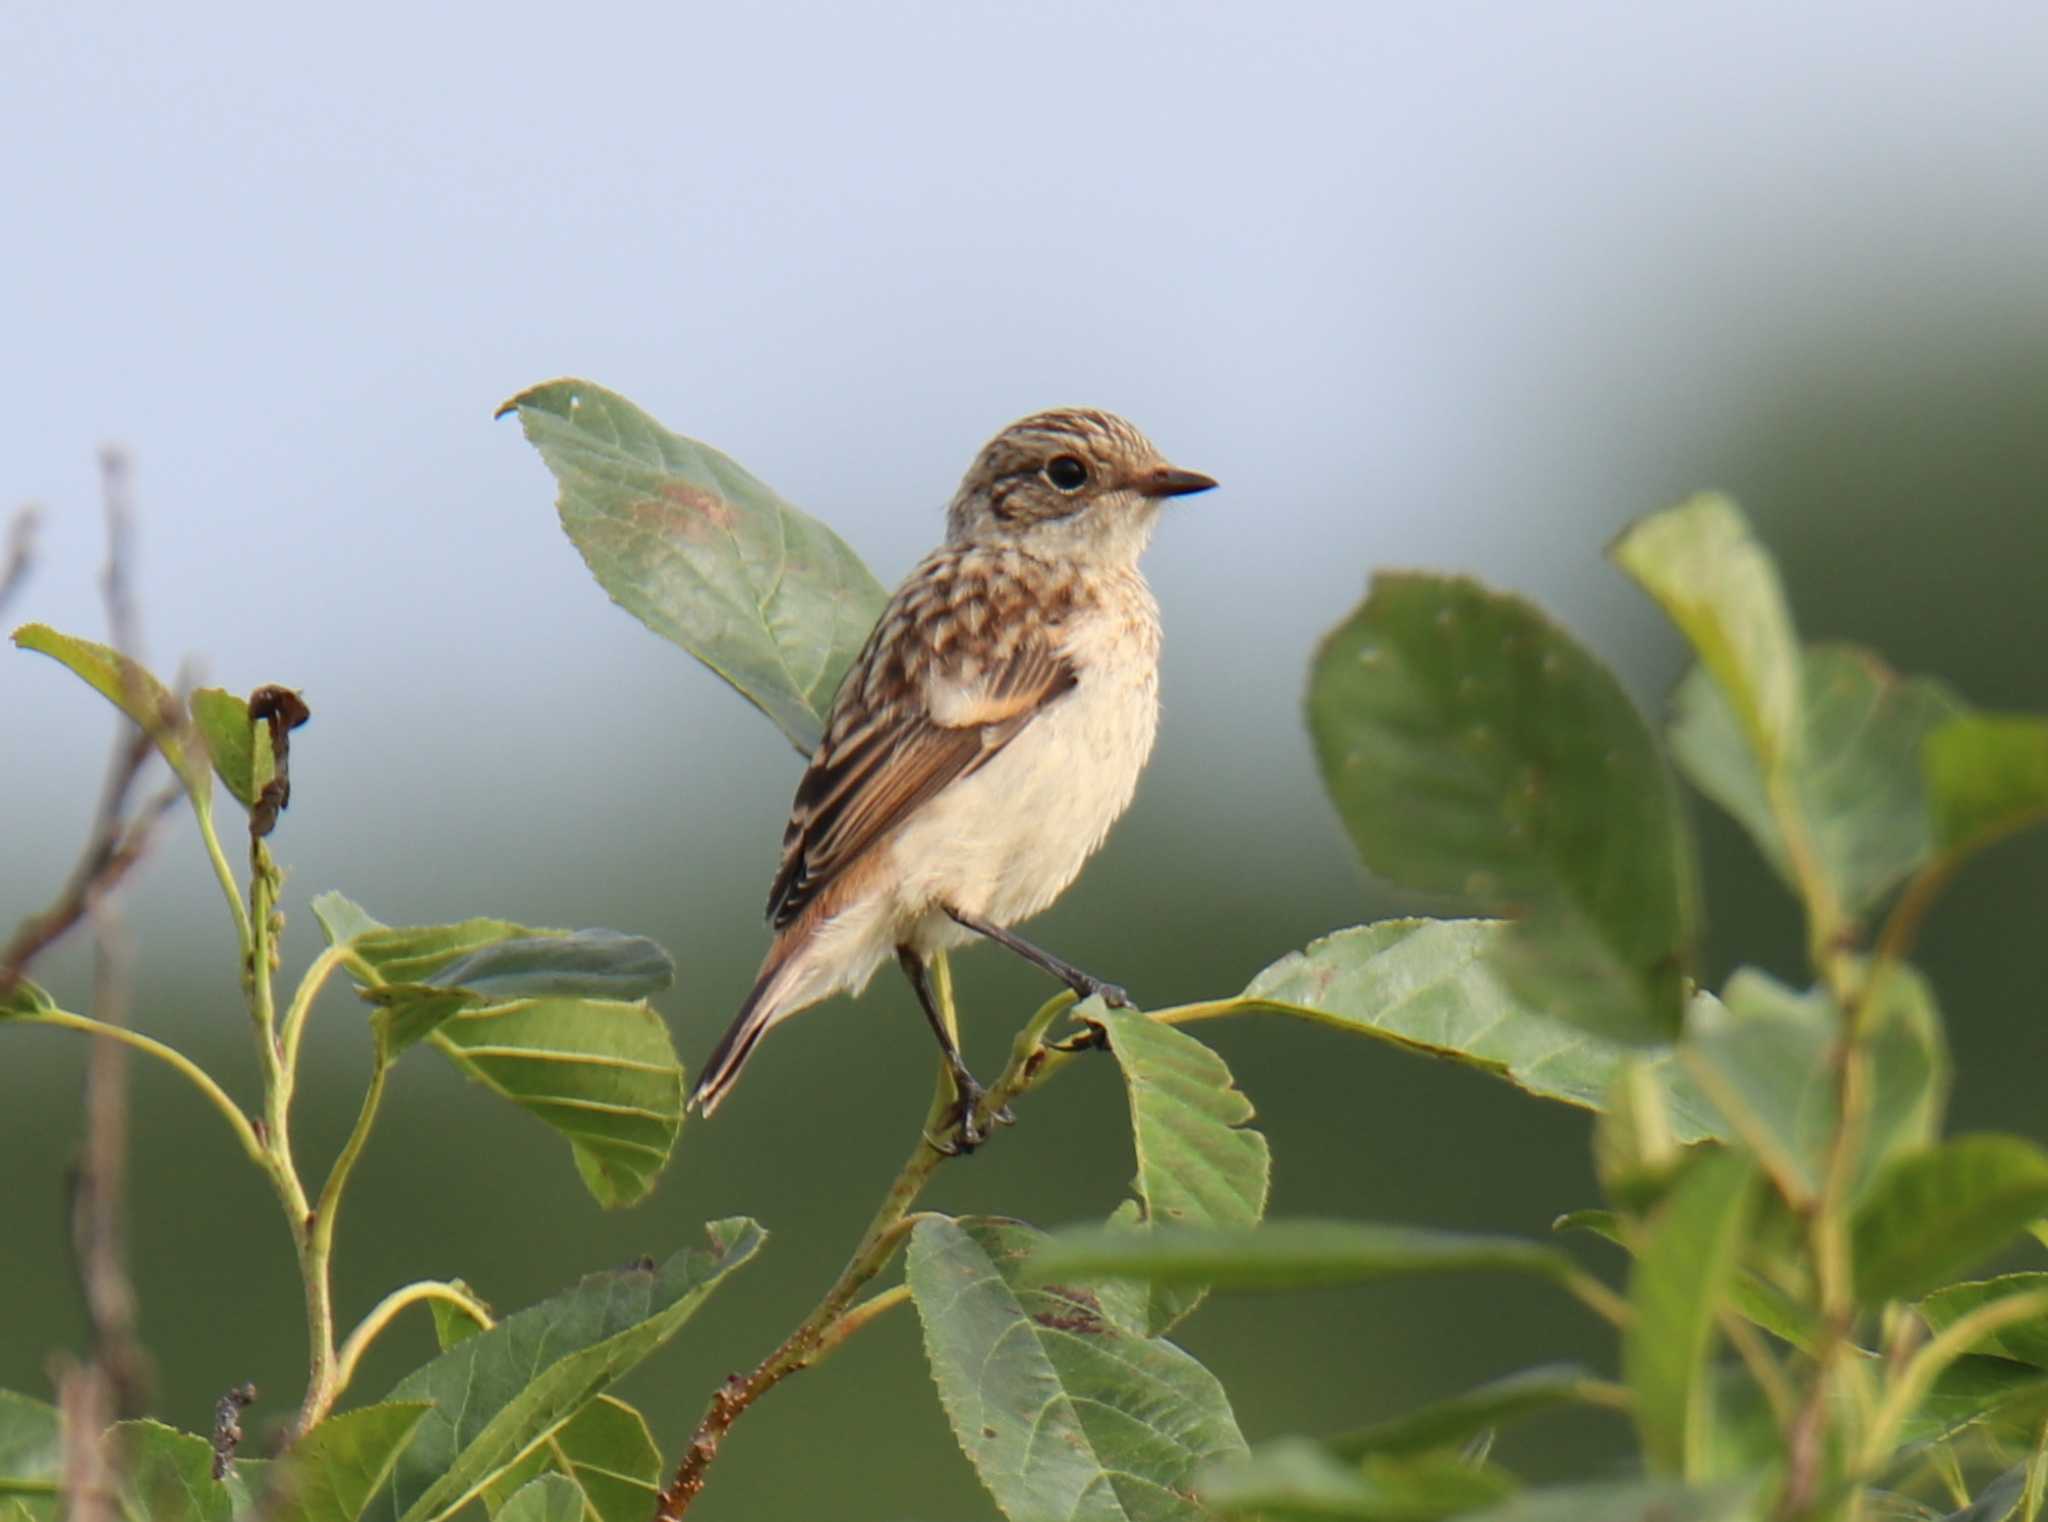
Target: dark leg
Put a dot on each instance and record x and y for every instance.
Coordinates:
(1082, 984)
(970, 1092)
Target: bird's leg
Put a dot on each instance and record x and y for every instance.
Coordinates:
(970, 1092)
(1083, 984)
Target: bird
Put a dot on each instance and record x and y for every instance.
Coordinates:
(986, 737)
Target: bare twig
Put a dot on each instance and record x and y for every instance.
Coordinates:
(227, 1427)
(821, 1332)
(21, 552)
(117, 839)
(114, 1378)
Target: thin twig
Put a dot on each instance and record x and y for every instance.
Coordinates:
(227, 1427)
(1030, 1062)
(114, 1378)
(21, 552)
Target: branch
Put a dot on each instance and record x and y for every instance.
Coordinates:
(829, 1323)
(21, 552)
(114, 1378)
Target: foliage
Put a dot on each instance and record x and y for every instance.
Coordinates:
(1794, 1340)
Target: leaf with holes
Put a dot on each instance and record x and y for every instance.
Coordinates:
(1063, 1413)
(1199, 1163)
(704, 554)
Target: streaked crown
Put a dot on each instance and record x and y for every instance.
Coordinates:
(1070, 481)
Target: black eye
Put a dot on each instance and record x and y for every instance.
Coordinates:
(1066, 473)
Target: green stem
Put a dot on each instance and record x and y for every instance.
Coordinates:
(1030, 1063)
(245, 1133)
(856, 1317)
(202, 810)
(1597, 1297)
(282, 1076)
(316, 1257)
(1912, 1385)
(387, 1310)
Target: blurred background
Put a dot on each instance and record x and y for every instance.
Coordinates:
(1456, 286)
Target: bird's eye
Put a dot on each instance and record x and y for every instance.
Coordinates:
(1066, 473)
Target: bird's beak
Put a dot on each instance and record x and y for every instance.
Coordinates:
(1165, 481)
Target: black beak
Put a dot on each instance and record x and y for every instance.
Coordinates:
(1165, 481)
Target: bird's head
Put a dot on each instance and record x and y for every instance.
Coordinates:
(1073, 484)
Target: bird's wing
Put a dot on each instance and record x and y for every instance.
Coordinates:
(919, 711)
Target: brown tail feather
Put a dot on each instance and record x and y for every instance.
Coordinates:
(722, 1067)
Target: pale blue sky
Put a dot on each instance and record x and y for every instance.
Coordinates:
(1455, 285)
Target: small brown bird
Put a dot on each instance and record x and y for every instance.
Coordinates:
(986, 738)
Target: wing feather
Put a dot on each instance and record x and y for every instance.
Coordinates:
(922, 708)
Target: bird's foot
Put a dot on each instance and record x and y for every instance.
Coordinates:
(1111, 994)
(964, 1131)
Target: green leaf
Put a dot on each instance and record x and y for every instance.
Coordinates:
(1447, 1423)
(1472, 747)
(1199, 1163)
(1987, 776)
(602, 1073)
(133, 690)
(704, 554)
(2007, 1398)
(1765, 1057)
(331, 1473)
(1934, 1213)
(1286, 1254)
(2027, 1341)
(1431, 986)
(31, 1453)
(1719, 585)
(1675, 1289)
(551, 1498)
(1996, 1501)
(503, 1391)
(1063, 1413)
(167, 1475)
(1294, 1480)
(592, 964)
(1857, 778)
(25, 1001)
(229, 735)
(342, 919)
(1623, 1501)
(606, 1449)
(453, 1324)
